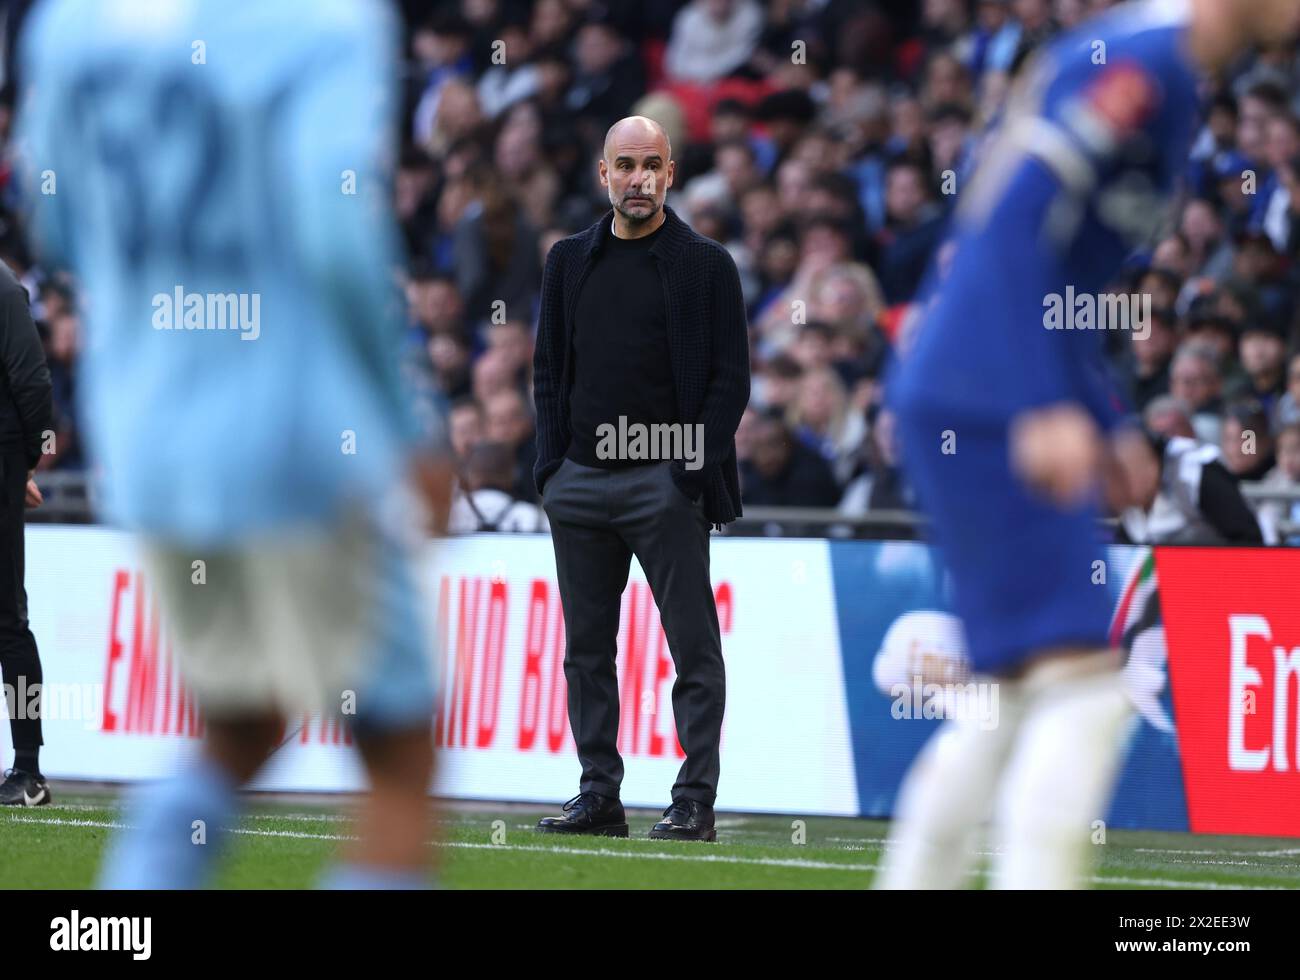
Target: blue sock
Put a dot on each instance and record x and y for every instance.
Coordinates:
(161, 846)
(350, 876)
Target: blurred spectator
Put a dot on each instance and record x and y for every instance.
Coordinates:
(1194, 379)
(782, 473)
(913, 222)
(1173, 254)
(607, 77)
(514, 339)
(1263, 357)
(496, 256)
(62, 340)
(1259, 103)
(1285, 476)
(880, 484)
(435, 301)
(777, 385)
(1163, 285)
(712, 38)
(487, 501)
(812, 349)
(494, 372)
(1247, 442)
(786, 115)
(1208, 328)
(441, 54)
(1203, 230)
(1287, 411)
(826, 422)
(415, 199)
(449, 354)
(466, 427)
(995, 38)
(511, 78)
(509, 422)
(1236, 201)
(1153, 353)
(1196, 501)
(1167, 416)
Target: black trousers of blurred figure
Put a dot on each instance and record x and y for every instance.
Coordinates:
(20, 664)
(599, 519)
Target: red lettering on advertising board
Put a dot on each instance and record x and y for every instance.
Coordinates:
(121, 579)
(494, 652)
(558, 735)
(143, 693)
(530, 693)
(1232, 627)
(643, 663)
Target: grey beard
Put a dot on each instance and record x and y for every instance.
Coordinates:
(637, 219)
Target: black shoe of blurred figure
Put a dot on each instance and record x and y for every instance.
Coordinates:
(588, 813)
(686, 820)
(23, 789)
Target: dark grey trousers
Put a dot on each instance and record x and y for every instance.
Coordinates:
(599, 520)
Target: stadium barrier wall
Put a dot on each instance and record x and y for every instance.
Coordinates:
(822, 640)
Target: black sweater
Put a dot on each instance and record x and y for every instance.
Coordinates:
(621, 366)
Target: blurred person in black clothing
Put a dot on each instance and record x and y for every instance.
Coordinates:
(880, 483)
(786, 115)
(911, 233)
(1247, 441)
(781, 472)
(495, 254)
(509, 423)
(608, 77)
(1196, 500)
(1263, 358)
(415, 199)
(1153, 353)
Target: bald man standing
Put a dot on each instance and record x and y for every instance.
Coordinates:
(641, 374)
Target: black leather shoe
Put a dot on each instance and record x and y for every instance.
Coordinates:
(24, 789)
(686, 820)
(588, 813)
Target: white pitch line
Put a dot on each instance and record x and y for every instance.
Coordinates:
(1279, 852)
(649, 855)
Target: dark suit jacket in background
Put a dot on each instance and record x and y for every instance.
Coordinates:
(26, 394)
(708, 343)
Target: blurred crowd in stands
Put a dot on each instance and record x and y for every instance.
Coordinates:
(820, 141)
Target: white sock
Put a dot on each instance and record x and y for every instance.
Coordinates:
(1059, 780)
(947, 795)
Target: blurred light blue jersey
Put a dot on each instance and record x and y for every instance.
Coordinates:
(1076, 177)
(217, 176)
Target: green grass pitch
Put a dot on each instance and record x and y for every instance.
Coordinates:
(284, 842)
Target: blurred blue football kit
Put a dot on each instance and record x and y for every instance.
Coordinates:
(1076, 177)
